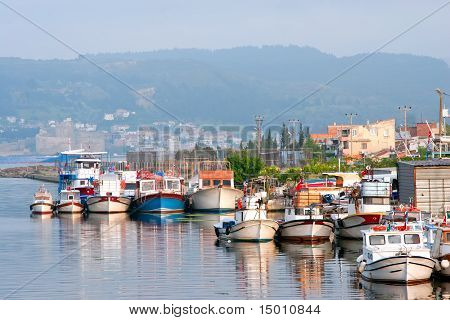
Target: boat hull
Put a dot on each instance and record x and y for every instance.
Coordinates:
(306, 230)
(216, 199)
(70, 207)
(41, 208)
(107, 204)
(159, 203)
(399, 269)
(250, 230)
(351, 226)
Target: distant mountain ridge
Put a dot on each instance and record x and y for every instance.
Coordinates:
(223, 86)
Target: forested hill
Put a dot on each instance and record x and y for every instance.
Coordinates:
(223, 86)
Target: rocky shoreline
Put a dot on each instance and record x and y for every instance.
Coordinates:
(37, 172)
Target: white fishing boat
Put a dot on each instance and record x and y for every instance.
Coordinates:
(69, 202)
(306, 224)
(368, 204)
(440, 250)
(395, 255)
(216, 192)
(249, 224)
(43, 202)
(108, 197)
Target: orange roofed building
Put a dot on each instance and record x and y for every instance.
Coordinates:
(355, 141)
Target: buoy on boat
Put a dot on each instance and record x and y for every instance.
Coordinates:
(445, 264)
(379, 228)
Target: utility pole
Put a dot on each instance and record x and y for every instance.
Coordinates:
(405, 109)
(293, 123)
(441, 93)
(350, 119)
(259, 120)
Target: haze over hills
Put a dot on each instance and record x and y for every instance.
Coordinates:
(223, 86)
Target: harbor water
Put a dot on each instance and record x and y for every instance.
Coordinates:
(115, 257)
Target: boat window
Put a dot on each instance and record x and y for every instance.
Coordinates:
(70, 197)
(447, 236)
(412, 239)
(226, 183)
(130, 186)
(395, 239)
(374, 200)
(206, 183)
(82, 183)
(216, 182)
(377, 240)
(173, 184)
(147, 185)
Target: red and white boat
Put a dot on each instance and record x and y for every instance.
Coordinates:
(43, 202)
(69, 202)
(369, 203)
(109, 196)
(305, 225)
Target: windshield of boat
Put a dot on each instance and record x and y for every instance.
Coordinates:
(147, 185)
(130, 186)
(172, 184)
(412, 239)
(395, 239)
(377, 240)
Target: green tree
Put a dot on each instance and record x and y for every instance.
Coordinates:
(291, 174)
(245, 167)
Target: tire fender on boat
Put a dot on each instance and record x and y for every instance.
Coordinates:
(227, 230)
(361, 266)
(360, 259)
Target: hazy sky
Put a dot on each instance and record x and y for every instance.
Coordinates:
(341, 27)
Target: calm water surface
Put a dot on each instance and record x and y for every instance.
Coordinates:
(114, 257)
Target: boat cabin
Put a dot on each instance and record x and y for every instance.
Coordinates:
(371, 197)
(215, 174)
(42, 194)
(343, 179)
(109, 184)
(379, 243)
(69, 195)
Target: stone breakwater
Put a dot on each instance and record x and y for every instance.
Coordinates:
(38, 172)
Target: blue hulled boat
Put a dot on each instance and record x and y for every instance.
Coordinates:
(160, 202)
(158, 194)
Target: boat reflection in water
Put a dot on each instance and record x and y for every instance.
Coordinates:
(107, 218)
(38, 217)
(308, 265)
(253, 260)
(348, 249)
(374, 290)
(157, 218)
(442, 289)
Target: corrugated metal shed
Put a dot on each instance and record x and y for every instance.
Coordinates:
(427, 183)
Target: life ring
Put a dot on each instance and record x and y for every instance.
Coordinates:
(122, 184)
(379, 228)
